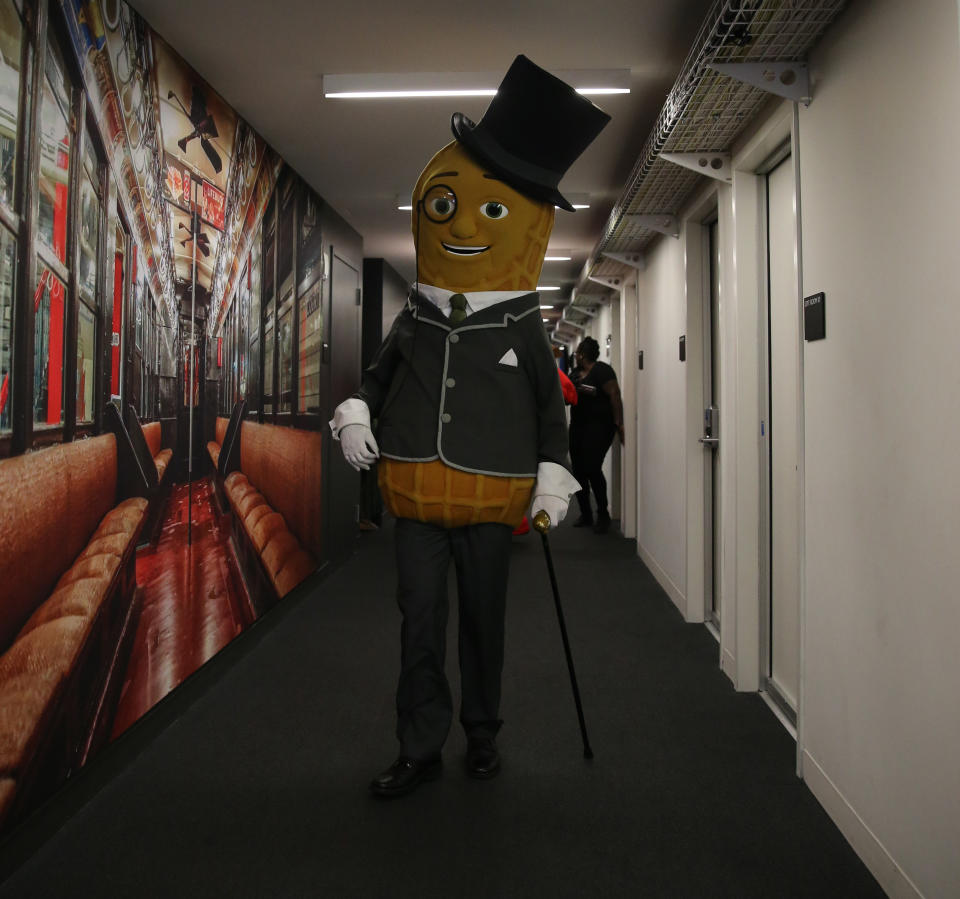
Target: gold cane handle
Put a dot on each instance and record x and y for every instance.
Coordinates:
(541, 521)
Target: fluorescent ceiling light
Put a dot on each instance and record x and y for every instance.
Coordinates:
(542, 287)
(461, 84)
(577, 200)
(389, 95)
(556, 258)
(546, 307)
(405, 208)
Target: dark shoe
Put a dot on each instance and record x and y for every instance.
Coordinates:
(603, 523)
(483, 760)
(584, 521)
(403, 776)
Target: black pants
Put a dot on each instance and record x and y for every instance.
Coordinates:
(481, 556)
(588, 447)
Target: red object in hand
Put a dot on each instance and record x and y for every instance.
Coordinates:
(522, 528)
(569, 391)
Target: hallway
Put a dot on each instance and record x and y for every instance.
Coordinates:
(194, 602)
(259, 787)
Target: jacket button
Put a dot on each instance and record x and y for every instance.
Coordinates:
(454, 338)
(445, 417)
(451, 382)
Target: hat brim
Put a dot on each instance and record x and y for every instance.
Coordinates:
(529, 180)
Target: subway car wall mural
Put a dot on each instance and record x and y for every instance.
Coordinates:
(177, 311)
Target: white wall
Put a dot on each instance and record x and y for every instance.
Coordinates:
(627, 376)
(879, 722)
(661, 410)
(880, 192)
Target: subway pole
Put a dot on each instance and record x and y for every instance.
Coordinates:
(194, 232)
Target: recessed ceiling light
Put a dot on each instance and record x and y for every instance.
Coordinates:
(461, 84)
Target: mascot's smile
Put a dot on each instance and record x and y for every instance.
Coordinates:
(464, 251)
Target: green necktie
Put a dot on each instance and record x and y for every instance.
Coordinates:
(458, 308)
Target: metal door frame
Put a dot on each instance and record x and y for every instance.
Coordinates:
(711, 390)
(785, 153)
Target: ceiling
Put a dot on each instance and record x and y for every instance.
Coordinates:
(360, 155)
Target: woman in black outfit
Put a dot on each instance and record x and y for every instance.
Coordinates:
(596, 417)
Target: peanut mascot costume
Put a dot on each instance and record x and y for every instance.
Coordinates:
(467, 405)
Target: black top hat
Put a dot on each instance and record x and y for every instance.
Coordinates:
(533, 130)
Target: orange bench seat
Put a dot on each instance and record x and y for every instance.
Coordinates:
(276, 502)
(215, 446)
(161, 457)
(66, 550)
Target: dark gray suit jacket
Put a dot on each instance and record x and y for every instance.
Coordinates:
(483, 395)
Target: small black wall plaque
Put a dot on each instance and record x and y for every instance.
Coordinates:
(814, 316)
(640, 360)
(683, 348)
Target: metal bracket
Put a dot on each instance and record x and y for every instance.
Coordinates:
(785, 79)
(606, 281)
(716, 165)
(633, 260)
(663, 223)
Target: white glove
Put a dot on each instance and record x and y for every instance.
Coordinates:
(554, 506)
(359, 446)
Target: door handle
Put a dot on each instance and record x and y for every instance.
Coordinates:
(711, 442)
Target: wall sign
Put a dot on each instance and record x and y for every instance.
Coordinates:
(814, 316)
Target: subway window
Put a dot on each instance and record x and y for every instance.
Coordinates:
(309, 305)
(285, 279)
(49, 320)
(243, 297)
(91, 211)
(285, 344)
(50, 296)
(55, 152)
(253, 390)
(116, 339)
(11, 41)
(311, 338)
(8, 271)
(310, 252)
(269, 297)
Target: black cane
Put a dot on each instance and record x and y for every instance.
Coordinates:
(541, 521)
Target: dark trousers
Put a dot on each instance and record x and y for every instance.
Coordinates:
(588, 447)
(481, 556)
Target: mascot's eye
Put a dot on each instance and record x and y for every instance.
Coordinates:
(441, 207)
(494, 210)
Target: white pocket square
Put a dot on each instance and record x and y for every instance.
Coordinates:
(509, 358)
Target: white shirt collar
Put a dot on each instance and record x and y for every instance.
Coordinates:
(476, 300)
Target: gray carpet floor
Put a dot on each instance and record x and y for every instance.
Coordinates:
(251, 781)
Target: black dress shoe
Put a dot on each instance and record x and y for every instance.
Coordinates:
(584, 521)
(603, 523)
(483, 760)
(403, 776)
